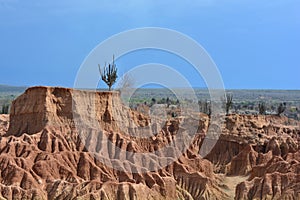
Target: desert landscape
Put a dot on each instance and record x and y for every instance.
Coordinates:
(149, 100)
(43, 157)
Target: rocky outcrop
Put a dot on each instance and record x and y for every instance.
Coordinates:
(41, 107)
(4, 123)
(62, 143)
(53, 150)
(277, 179)
(245, 135)
(264, 148)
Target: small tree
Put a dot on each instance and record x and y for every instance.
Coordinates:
(109, 74)
(281, 108)
(227, 101)
(262, 108)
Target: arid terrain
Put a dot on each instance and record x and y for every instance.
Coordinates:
(50, 149)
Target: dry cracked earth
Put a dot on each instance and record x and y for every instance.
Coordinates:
(47, 154)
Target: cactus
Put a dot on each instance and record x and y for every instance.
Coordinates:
(109, 74)
(262, 108)
(227, 102)
(5, 109)
(281, 108)
(205, 107)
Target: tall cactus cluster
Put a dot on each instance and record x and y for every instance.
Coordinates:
(109, 74)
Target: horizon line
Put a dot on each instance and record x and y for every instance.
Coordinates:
(196, 87)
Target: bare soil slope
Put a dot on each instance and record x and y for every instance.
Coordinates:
(52, 150)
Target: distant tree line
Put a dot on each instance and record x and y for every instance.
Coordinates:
(163, 100)
(205, 106)
(228, 104)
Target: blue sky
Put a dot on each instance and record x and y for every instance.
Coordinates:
(255, 44)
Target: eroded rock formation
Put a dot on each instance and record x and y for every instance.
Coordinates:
(263, 148)
(61, 143)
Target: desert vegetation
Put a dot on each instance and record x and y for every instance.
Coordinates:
(5, 109)
(108, 73)
(262, 108)
(44, 157)
(243, 102)
(251, 102)
(227, 102)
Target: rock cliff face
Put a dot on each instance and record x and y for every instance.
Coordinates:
(263, 148)
(41, 107)
(43, 156)
(51, 148)
(4, 123)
